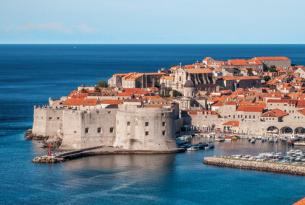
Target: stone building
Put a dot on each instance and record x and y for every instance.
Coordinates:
(145, 127)
(276, 61)
(132, 125)
(235, 82)
(201, 77)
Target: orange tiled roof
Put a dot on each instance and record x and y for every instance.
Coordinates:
(272, 58)
(199, 70)
(80, 102)
(132, 76)
(238, 62)
(120, 74)
(302, 111)
(301, 202)
(301, 104)
(111, 102)
(133, 91)
(233, 123)
(240, 77)
(274, 113)
(250, 108)
(166, 77)
(218, 104)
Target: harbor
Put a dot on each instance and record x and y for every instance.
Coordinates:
(292, 162)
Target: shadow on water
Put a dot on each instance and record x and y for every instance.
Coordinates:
(157, 163)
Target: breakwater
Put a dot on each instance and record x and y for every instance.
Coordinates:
(275, 167)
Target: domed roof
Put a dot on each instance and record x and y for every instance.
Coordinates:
(189, 84)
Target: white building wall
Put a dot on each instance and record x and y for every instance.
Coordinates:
(145, 128)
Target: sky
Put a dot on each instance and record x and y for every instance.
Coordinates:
(152, 21)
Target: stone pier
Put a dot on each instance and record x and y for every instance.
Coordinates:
(255, 165)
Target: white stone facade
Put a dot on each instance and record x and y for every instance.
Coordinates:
(83, 128)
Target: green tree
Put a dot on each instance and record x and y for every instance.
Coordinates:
(272, 69)
(267, 78)
(176, 93)
(102, 84)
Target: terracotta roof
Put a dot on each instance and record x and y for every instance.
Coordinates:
(80, 102)
(240, 78)
(272, 58)
(250, 108)
(133, 91)
(132, 76)
(301, 202)
(274, 113)
(301, 104)
(111, 102)
(166, 77)
(233, 123)
(302, 111)
(238, 62)
(199, 70)
(120, 74)
(230, 103)
(218, 104)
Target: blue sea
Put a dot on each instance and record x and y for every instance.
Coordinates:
(30, 74)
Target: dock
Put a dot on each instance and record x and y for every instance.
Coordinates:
(276, 167)
(94, 151)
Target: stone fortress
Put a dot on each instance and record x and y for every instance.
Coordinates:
(146, 111)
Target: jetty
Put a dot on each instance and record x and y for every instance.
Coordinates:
(94, 151)
(267, 166)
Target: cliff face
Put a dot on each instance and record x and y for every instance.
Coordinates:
(129, 128)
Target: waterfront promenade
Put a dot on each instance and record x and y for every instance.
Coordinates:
(256, 165)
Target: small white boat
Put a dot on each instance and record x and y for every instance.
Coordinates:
(299, 143)
(193, 148)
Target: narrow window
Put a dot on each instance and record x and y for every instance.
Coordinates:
(146, 124)
(128, 123)
(86, 130)
(58, 118)
(163, 132)
(111, 129)
(146, 133)
(163, 124)
(50, 118)
(99, 130)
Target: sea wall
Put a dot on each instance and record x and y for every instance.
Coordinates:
(47, 122)
(254, 165)
(88, 128)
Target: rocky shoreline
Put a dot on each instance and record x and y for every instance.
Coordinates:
(254, 165)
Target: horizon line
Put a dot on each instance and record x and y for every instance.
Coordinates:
(152, 43)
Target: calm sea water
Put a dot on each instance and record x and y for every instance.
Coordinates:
(30, 74)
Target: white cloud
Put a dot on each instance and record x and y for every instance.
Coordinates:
(51, 27)
(84, 28)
